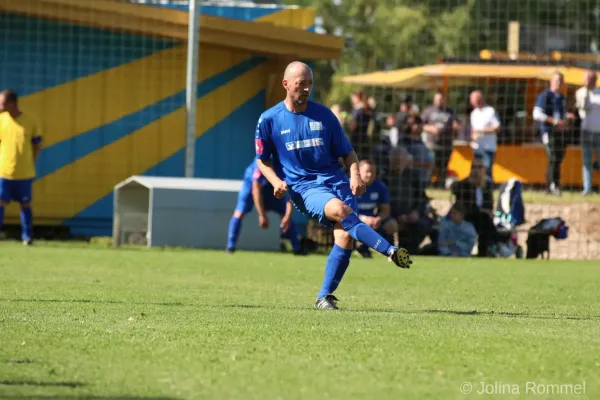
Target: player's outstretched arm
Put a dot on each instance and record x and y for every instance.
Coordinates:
(279, 186)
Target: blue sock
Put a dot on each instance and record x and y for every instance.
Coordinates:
(292, 235)
(1, 217)
(26, 223)
(342, 269)
(365, 234)
(235, 226)
(337, 264)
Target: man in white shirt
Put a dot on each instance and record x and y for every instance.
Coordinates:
(485, 126)
(587, 100)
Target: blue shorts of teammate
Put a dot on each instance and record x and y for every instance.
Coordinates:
(310, 198)
(16, 190)
(245, 202)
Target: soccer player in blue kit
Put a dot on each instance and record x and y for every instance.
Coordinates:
(305, 140)
(258, 193)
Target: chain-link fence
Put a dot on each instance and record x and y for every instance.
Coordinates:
(462, 108)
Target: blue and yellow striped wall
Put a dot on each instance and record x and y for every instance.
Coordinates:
(112, 105)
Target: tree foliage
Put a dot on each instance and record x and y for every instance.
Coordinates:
(391, 34)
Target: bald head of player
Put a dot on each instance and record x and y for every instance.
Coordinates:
(298, 83)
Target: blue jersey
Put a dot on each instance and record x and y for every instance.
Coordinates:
(306, 145)
(253, 174)
(375, 195)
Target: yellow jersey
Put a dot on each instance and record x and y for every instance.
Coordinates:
(17, 136)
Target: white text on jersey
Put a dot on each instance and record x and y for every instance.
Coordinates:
(303, 144)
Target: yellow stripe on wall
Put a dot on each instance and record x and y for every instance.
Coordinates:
(80, 184)
(86, 103)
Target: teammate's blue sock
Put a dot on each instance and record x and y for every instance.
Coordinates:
(1, 217)
(27, 223)
(337, 264)
(365, 234)
(292, 234)
(235, 226)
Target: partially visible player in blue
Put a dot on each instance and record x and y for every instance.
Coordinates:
(374, 207)
(305, 140)
(257, 192)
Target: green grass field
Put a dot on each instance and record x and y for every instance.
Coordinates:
(90, 322)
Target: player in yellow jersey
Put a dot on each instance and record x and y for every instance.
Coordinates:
(20, 144)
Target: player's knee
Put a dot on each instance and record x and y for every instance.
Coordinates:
(238, 214)
(339, 211)
(336, 210)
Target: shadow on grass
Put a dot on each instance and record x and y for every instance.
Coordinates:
(483, 313)
(365, 310)
(176, 303)
(42, 384)
(62, 396)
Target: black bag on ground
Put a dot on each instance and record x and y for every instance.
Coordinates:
(538, 238)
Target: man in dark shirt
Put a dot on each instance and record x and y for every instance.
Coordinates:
(439, 126)
(551, 114)
(476, 193)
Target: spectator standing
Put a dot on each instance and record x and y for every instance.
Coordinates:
(588, 106)
(550, 112)
(20, 144)
(485, 126)
(422, 157)
(457, 236)
(440, 123)
(364, 129)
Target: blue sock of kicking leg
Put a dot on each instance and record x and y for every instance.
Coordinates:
(337, 264)
(365, 234)
(235, 226)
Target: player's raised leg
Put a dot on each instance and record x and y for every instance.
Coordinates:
(336, 210)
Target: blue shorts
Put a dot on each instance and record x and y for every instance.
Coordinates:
(15, 190)
(310, 199)
(245, 202)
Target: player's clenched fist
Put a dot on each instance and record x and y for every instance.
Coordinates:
(280, 190)
(357, 185)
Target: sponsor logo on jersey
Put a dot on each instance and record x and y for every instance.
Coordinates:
(283, 132)
(304, 144)
(316, 125)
